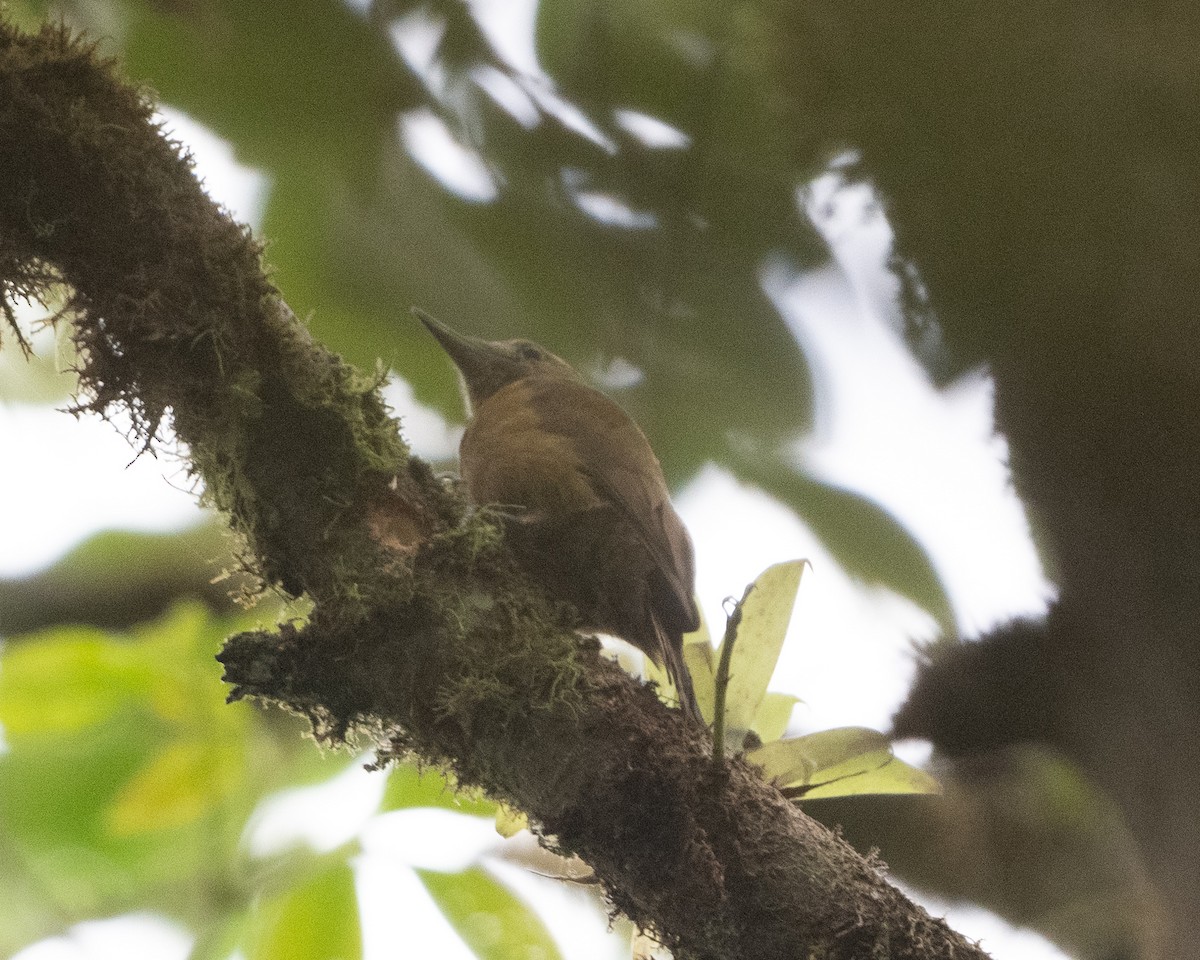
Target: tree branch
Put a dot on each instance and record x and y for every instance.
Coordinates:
(424, 636)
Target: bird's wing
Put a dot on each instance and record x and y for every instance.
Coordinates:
(624, 471)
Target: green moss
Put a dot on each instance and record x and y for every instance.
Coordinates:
(506, 641)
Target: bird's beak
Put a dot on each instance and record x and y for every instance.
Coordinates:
(468, 353)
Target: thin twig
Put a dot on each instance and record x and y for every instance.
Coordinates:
(721, 683)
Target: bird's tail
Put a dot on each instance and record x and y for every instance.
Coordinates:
(671, 645)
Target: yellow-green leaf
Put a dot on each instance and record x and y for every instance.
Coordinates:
(179, 646)
(652, 673)
(698, 646)
(699, 660)
(187, 779)
(766, 612)
(70, 680)
(794, 762)
(492, 921)
(409, 786)
(316, 920)
(894, 776)
(770, 723)
(67, 679)
(841, 762)
(510, 821)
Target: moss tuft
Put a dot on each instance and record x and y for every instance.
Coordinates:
(174, 318)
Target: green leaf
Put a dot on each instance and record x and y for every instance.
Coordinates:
(894, 776)
(795, 761)
(492, 921)
(698, 650)
(269, 74)
(186, 780)
(67, 680)
(314, 920)
(126, 774)
(409, 786)
(699, 659)
(770, 723)
(766, 612)
(510, 821)
(53, 794)
(846, 761)
(219, 939)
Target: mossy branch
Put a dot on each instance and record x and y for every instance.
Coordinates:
(423, 637)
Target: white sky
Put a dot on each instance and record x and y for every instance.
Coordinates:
(883, 430)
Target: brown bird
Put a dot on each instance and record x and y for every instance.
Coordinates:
(592, 520)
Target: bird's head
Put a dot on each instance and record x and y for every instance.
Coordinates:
(487, 365)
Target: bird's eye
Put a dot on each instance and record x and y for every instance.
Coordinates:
(529, 352)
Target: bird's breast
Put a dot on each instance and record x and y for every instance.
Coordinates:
(509, 458)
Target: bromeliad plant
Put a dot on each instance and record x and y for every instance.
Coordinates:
(731, 687)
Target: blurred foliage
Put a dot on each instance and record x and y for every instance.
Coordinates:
(128, 783)
(127, 780)
(316, 919)
(490, 919)
(600, 243)
(119, 578)
(411, 786)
